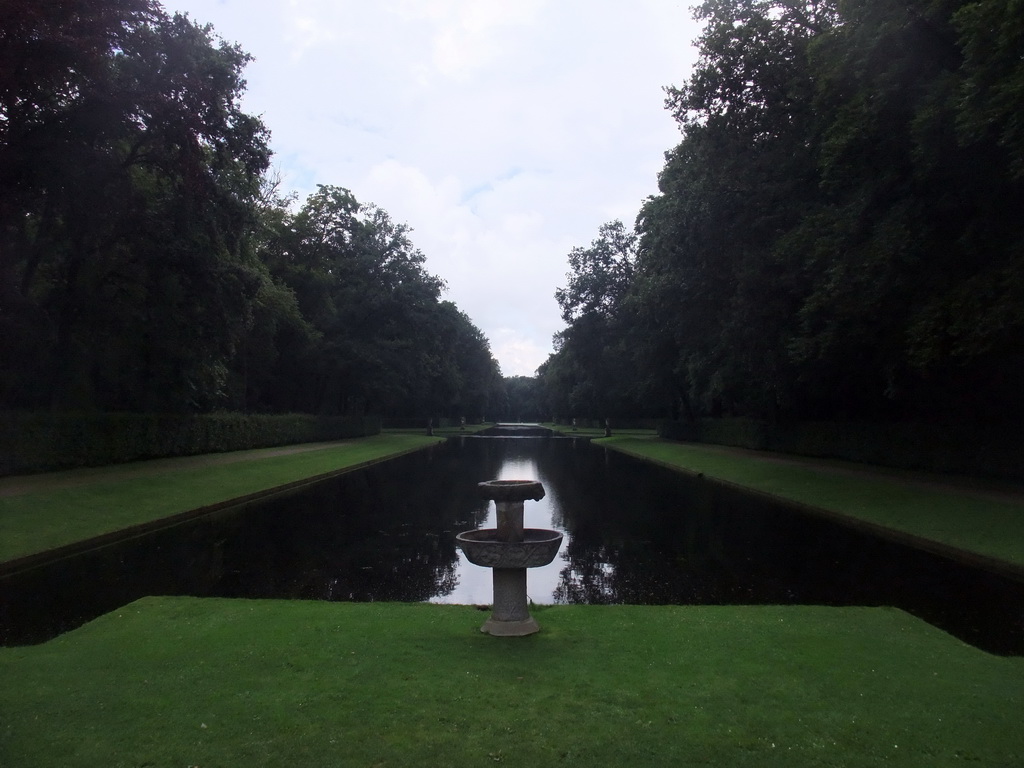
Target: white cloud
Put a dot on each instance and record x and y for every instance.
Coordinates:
(504, 133)
(306, 33)
(522, 356)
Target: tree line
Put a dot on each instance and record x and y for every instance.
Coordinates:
(149, 261)
(838, 235)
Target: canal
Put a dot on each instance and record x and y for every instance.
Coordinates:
(633, 533)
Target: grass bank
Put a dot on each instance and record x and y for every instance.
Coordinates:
(187, 682)
(973, 519)
(41, 512)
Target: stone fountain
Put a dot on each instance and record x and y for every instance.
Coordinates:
(509, 550)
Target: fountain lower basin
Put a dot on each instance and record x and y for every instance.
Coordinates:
(483, 547)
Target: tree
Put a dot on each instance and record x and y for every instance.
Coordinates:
(593, 362)
(525, 401)
(914, 309)
(462, 376)
(148, 263)
(129, 173)
(991, 36)
(835, 235)
(383, 341)
(714, 298)
(600, 275)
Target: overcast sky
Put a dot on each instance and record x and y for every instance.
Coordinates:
(504, 133)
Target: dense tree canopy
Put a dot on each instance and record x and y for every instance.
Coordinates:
(147, 262)
(839, 233)
(522, 402)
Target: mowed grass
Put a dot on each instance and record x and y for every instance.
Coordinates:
(42, 512)
(963, 517)
(189, 682)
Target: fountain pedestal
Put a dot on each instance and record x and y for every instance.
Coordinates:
(510, 614)
(509, 549)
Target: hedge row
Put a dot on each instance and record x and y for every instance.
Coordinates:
(440, 422)
(41, 442)
(982, 450)
(614, 423)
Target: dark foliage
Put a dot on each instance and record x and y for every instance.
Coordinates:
(37, 442)
(148, 265)
(839, 233)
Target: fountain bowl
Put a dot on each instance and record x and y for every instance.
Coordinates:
(482, 547)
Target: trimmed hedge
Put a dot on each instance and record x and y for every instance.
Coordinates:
(982, 450)
(42, 442)
(616, 423)
(439, 422)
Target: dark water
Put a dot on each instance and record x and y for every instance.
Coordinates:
(633, 534)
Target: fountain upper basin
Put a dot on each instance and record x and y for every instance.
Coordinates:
(511, 490)
(482, 547)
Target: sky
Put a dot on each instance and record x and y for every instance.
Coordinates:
(502, 132)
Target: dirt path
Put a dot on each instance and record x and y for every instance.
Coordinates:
(77, 478)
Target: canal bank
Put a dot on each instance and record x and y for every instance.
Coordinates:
(42, 512)
(975, 519)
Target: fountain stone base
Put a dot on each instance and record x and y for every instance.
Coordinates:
(510, 614)
(509, 550)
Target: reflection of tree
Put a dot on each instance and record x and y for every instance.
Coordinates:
(385, 533)
(642, 536)
(589, 578)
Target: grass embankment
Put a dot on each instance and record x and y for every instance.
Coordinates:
(934, 508)
(185, 682)
(41, 512)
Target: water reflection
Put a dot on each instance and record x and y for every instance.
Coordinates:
(633, 533)
(511, 459)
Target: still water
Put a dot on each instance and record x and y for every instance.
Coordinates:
(471, 584)
(633, 533)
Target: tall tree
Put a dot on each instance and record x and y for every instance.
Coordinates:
(837, 235)
(915, 304)
(593, 359)
(129, 169)
(744, 172)
(384, 340)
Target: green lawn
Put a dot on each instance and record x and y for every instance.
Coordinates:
(187, 682)
(64, 507)
(958, 517)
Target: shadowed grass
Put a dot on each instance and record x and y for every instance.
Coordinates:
(180, 681)
(960, 518)
(61, 508)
